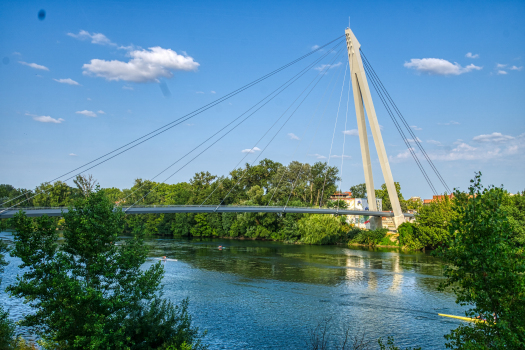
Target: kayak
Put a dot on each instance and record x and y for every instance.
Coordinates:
(469, 319)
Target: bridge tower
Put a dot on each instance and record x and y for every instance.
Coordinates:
(363, 101)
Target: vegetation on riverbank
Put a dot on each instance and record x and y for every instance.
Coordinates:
(88, 292)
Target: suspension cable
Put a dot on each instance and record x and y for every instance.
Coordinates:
(170, 125)
(400, 130)
(317, 128)
(267, 97)
(333, 135)
(224, 136)
(416, 140)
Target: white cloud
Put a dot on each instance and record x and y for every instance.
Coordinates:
(67, 81)
(402, 155)
(434, 142)
(516, 68)
(127, 87)
(45, 118)
(328, 66)
(353, 132)
(17, 53)
(470, 55)
(89, 99)
(315, 47)
(499, 65)
(494, 137)
(439, 66)
(343, 156)
(101, 112)
(502, 72)
(412, 140)
(318, 156)
(33, 65)
(452, 122)
(199, 92)
(87, 113)
(96, 38)
(72, 154)
(144, 66)
(251, 150)
(293, 136)
(213, 92)
(416, 127)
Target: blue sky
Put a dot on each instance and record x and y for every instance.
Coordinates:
(92, 76)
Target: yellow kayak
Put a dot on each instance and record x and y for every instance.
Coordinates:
(463, 318)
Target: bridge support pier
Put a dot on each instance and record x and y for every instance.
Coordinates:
(376, 222)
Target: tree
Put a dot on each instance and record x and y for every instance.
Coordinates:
(358, 191)
(88, 292)
(383, 195)
(85, 184)
(57, 194)
(7, 328)
(320, 229)
(486, 270)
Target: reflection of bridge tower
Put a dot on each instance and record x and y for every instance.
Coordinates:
(363, 101)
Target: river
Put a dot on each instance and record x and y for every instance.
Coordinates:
(269, 295)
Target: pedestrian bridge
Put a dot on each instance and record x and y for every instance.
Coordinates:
(172, 209)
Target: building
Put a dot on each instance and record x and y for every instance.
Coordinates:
(361, 221)
(437, 198)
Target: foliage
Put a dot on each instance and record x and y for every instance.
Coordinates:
(7, 328)
(319, 229)
(486, 270)
(367, 237)
(358, 191)
(515, 207)
(383, 195)
(390, 345)
(91, 292)
(58, 194)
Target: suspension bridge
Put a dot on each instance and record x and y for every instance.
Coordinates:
(361, 73)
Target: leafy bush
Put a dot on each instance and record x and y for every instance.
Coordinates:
(319, 229)
(367, 237)
(90, 292)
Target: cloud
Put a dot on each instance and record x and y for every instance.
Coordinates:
(33, 65)
(452, 122)
(516, 68)
(502, 72)
(434, 142)
(402, 155)
(199, 92)
(96, 38)
(17, 53)
(251, 150)
(89, 99)
(499, 65)
(470, 55)
(144, 66)
(328, 66)
(67, 81)
(353, 132)
(412, 140)
(315, 47)
(318, 156)
(72, 154)
(213, 92)
(496, 137)
(127, 87)
(343, 156)
(101, 112)
(87, 113)
(416, 127)
(438, 66)
(292, 136)
(45, 118)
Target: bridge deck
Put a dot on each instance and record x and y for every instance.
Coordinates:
(171, 209)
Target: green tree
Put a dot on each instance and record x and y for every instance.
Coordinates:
(515, 206)
(486, 270)
(383, 195)
(358, 191)
(90, 292)
(319, 229)
(7, 328)
(57, 194)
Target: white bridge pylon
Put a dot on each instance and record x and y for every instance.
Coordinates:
(362, 96)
